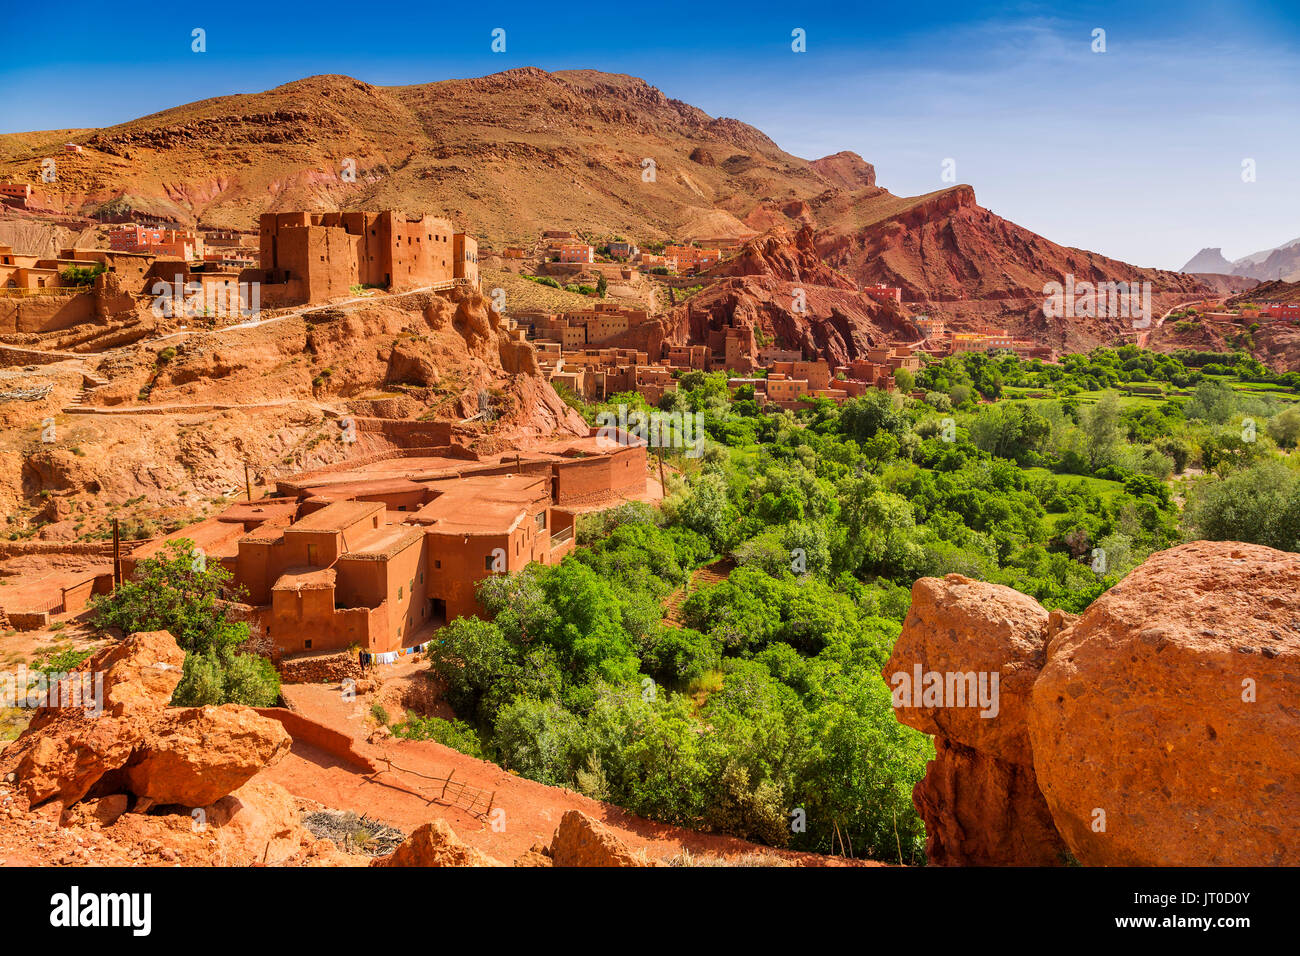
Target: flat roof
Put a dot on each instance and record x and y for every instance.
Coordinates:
(365, 486)
(266, 509)
(304, 578)
(382, 542)
(213, 535)
(409, 468)
(483, 504)
(337, 516)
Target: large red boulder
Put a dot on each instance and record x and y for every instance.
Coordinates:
(963, 669)
(581, 841)
(195, 756)
(1165, 724)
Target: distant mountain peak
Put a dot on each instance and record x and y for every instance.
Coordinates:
(1209, 259)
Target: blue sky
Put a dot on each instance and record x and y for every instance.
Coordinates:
(1136, 152)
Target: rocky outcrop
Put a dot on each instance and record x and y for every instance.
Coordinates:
(846, 170)
(259, 822)
(963, 669)
(140, 673)
(1159, 728)
(833, 324)
(65, 758)
(1166, 722)
(133, 743)
(435, 844)
(789, 258)
(581, 841)
(197, 755)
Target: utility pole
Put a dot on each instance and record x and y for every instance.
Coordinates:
(248, 488)
(117, 556)
(663, 488)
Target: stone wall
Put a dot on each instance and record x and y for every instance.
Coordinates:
(319, 669)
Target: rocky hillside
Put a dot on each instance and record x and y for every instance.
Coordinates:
(506, 155)
(954, 258)
(511, 154)
(778, 286)
(175, 421)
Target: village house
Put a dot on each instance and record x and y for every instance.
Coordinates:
(698, 357)
(378, 552)
(17, 194)
(576, 330)
(930, 327)
(156, 241)
(767, 356)
(992, 339)
(576, 252)
(884, 293)
(686, 259)
(313, 257)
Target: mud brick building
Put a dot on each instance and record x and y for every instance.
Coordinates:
(379, 551)
(312, 257)
(884, 293)
(156, 241)
(574, 330)
(691, 258)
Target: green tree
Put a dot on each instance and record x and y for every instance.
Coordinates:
(1103, 435)
(1260, 505)
(178, 591)
(1284, 427)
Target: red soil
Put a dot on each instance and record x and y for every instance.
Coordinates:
(405, 799)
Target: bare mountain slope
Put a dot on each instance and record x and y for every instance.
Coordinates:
(506, 155)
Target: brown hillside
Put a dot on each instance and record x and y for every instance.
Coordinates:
(506, 155)
(509, 155)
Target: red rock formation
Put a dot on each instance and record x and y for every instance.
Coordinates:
(582, 841)
(195, 756)
(1163, 727)
(846, 169)
(1169, 714)
(961, 261)
(837, 324)
(435, 844)
(138, 744)
(979, 800)
(779, 255)
(982, 811)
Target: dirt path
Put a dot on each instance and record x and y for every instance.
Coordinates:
(712, 573)
(409, 797)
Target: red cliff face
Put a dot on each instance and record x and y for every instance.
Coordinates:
(778, 286)
(1160, 728)
(955, 259)
(834, 324)
(784, 256)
